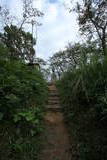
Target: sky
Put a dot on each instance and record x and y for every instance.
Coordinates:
(58, 25)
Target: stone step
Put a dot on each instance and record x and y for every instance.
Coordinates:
(53, 107)
(53, 102)
(54, 94)
(52, 88)
(53, 98)
(53, 91)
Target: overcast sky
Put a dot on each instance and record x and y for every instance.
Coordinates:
(59, 26)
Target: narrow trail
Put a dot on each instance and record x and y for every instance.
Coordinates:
(56, 138)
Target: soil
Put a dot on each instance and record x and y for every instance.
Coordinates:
(56, 144)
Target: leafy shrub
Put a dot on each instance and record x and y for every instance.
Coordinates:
(23, 94)
(20, 87)
(83, 94)
(86, 85)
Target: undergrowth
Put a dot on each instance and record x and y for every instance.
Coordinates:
(23, 94)
(83, 93)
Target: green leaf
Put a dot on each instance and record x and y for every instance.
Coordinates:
(16, 118)
(1, 116)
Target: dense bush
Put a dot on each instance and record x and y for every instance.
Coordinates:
(23, 94)
(84, 99)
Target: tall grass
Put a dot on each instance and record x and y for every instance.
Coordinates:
(83, 94)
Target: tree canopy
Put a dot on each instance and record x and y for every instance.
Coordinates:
(92, 18)
(19, 43)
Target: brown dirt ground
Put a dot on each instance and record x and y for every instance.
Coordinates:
(56, 138)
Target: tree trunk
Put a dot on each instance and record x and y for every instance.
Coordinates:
(104, 47)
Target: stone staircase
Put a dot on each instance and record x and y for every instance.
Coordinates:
(53, 100)
(56, 142)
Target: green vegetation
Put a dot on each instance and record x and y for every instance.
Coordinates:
(81, 71)
(84, 99)
(23, 94)
(23, 88)
(19, 43)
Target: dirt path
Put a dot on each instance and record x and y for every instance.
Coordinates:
(56, 139)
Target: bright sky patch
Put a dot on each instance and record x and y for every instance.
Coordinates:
(59, 26)
(53, 1)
